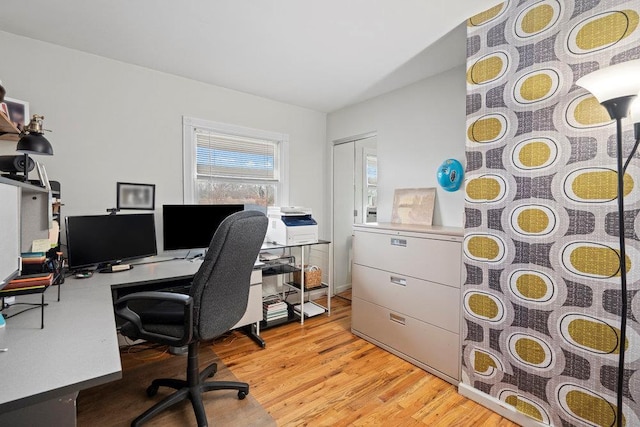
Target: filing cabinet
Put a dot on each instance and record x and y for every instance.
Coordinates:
(406, 293)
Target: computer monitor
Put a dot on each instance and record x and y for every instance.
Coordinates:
(104, 240)
(192, 226)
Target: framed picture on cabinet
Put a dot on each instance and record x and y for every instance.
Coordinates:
(413, 205)
(136, 196)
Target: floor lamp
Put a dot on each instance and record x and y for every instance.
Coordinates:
(616, 87)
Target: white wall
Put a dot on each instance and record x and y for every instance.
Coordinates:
(419, 126)
(113, 122)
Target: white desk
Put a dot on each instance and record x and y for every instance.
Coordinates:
(168, 272)
(44, 369)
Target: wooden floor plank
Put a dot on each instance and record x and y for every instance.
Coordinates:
(320, 374)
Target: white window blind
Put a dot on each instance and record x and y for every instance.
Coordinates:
(236, 157)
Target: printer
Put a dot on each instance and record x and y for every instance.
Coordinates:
(291, 226)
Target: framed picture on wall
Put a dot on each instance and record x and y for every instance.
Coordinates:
(136, 196)
(17, 111)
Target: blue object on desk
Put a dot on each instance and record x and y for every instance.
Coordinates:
(2, 321)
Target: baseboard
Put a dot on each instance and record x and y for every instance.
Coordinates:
(342, 288)
(498, 406)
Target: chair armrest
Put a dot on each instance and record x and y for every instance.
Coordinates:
(122, 309)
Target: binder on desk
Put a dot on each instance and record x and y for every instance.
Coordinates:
(29, 281)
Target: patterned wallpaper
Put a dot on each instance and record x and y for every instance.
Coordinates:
(542, 285)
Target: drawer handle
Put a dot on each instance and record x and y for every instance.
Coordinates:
(398, 319)
(398, 281)
(399, 242)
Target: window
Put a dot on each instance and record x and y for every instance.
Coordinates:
(226, 164)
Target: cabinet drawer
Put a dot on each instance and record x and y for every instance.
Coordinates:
(426, 301)
(253, 313)
(428, 344)
(430, 259)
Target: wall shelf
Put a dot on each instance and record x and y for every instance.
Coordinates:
(8, 132)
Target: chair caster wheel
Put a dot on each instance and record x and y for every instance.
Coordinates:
(241, 395)
(152, 390)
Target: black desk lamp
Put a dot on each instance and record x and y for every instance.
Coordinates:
(33, 142)
(616, 87)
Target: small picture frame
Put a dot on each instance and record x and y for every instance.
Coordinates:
(18, 112)
(136, 196)
(42, 174)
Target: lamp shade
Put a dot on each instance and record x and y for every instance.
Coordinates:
(34, 143)
(613, 82)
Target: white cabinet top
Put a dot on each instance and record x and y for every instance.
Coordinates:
(411, 228)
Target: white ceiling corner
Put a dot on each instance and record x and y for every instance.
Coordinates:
(321, 55)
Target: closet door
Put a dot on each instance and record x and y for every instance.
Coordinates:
(344, 214)
(352, 200)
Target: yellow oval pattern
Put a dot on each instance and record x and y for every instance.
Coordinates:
(607, 30)
(537, 19)
(483, 306)
(534, 154)
(524, 407)
(600, 185)
(530, 351)
(486, 69)
(533, 220)
(483, 363)
(595, 335)
(483, 189)
(590, 112)
(531, 286)
(591, 408)
(536, 87)
(483, 247)
(485, 130)
(483, 17)
(598, 261)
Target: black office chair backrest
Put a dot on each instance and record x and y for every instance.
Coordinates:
(220, 288)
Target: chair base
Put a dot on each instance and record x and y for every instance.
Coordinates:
(191, 389)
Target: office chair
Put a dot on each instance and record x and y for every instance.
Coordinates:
(217, 300)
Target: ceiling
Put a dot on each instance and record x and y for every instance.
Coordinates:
(322, 55)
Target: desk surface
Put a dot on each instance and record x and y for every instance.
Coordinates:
(78, 347)
(149, 272)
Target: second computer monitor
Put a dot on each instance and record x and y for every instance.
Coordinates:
(104, 240)
(193, 226)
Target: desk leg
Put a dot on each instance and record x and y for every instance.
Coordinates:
(253, 332)
(42, 312)
(302, 287)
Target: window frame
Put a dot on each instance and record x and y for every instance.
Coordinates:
(189, 167)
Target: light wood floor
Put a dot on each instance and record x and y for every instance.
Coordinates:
(320, 374)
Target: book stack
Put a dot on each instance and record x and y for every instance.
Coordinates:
(274, 310)
(31, 282)
(32, 262)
